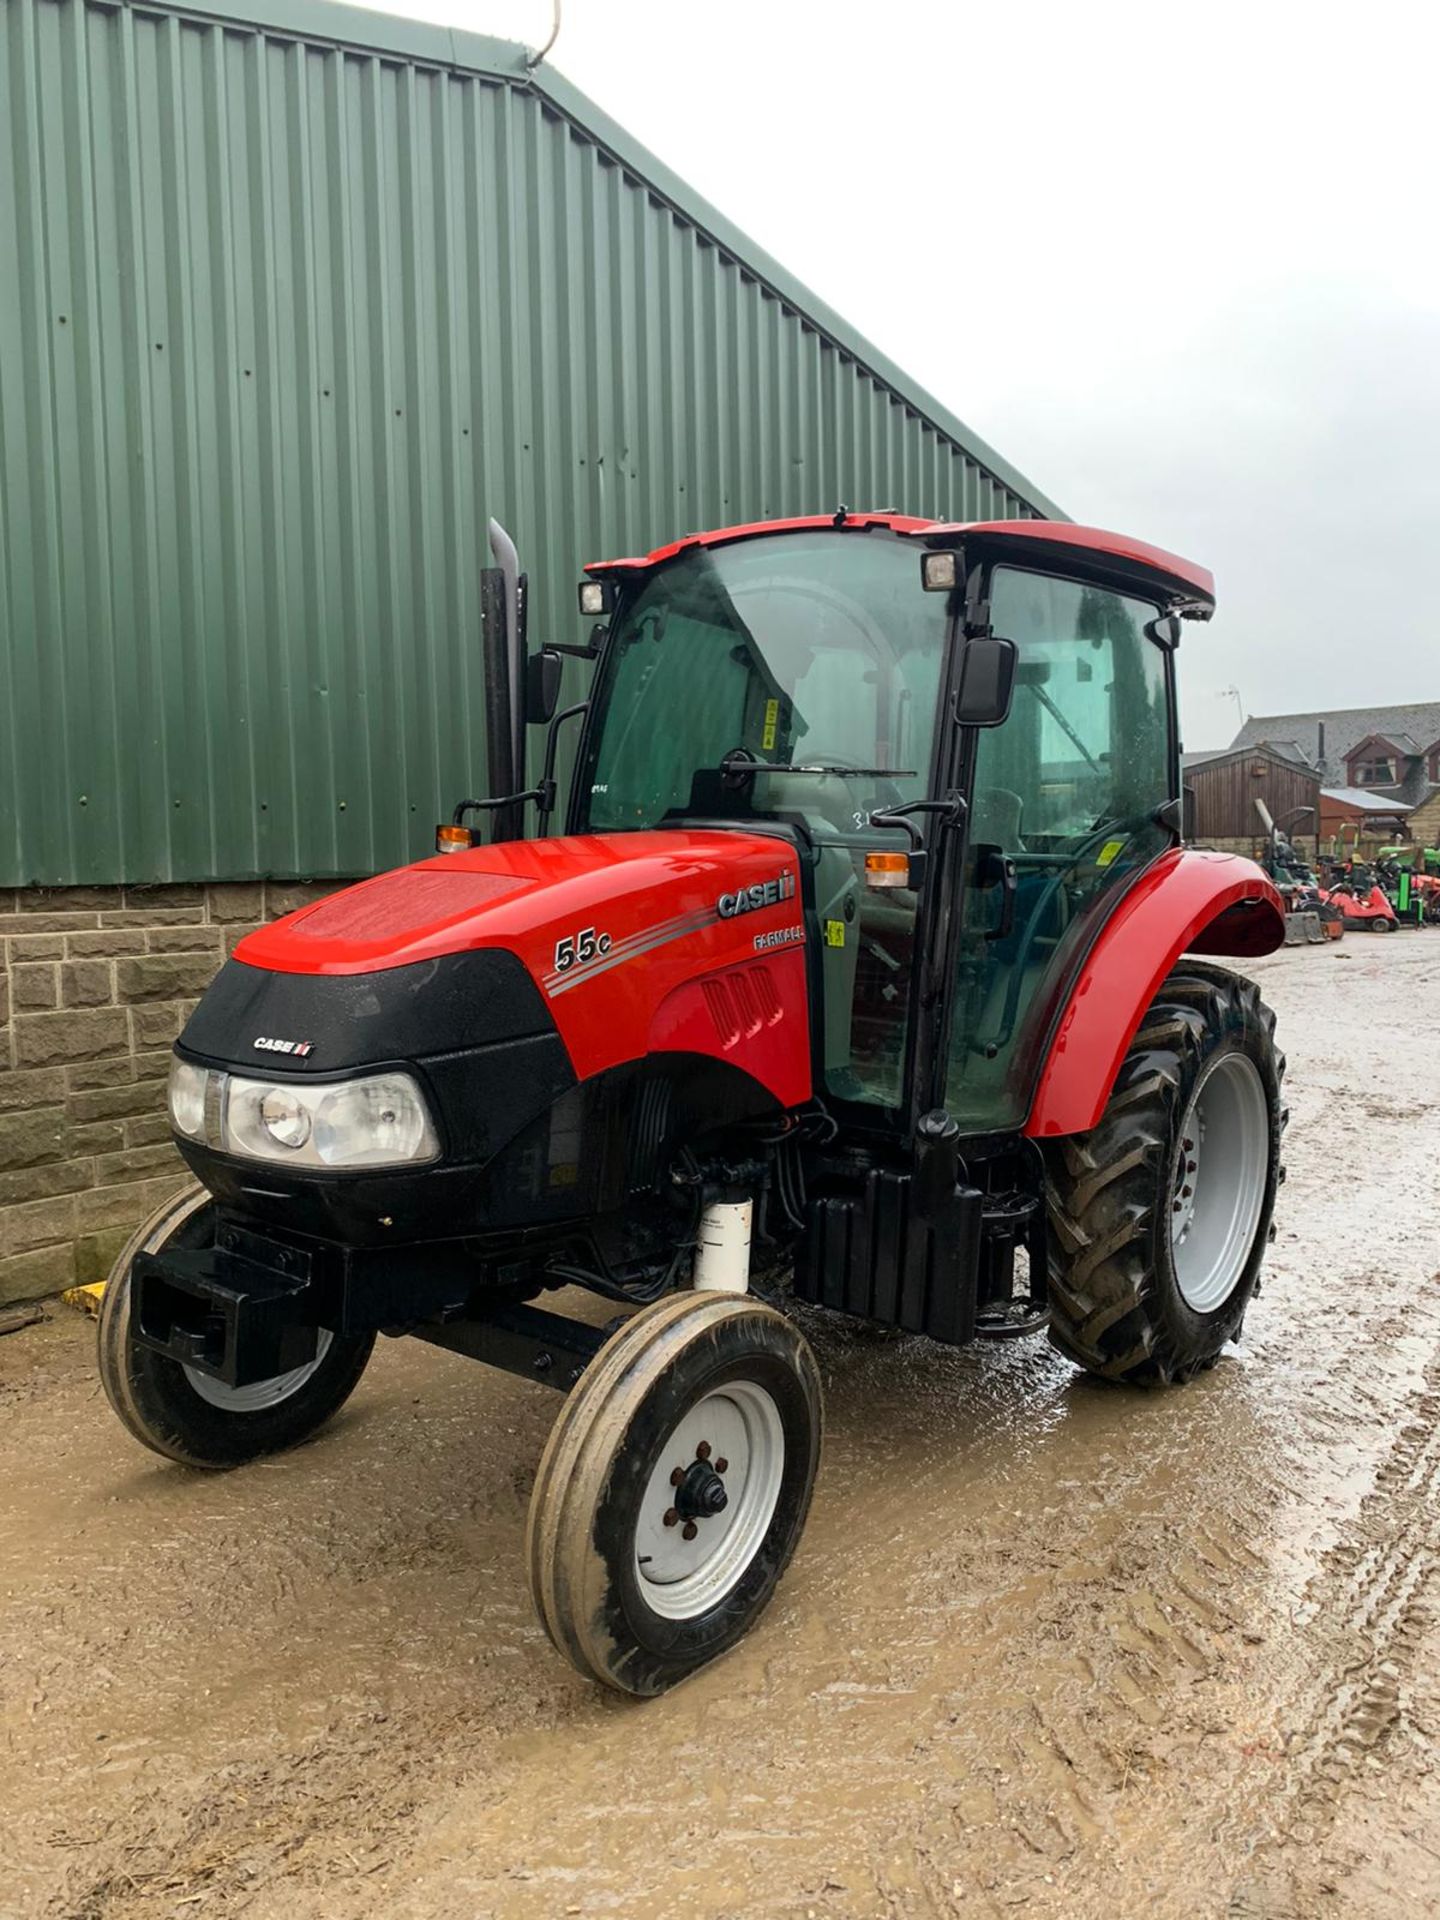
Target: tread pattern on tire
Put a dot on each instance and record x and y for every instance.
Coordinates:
(1103, 1189)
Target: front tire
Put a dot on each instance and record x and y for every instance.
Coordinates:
(1160, 1216)
(674, 1488)
(186, 1415)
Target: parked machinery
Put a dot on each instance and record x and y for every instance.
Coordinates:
(869, 972)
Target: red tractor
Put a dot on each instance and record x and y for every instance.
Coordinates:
(868, 974)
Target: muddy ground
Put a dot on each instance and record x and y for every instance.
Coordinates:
(1047, 1646)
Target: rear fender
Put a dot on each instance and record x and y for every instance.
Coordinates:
(1187, 902)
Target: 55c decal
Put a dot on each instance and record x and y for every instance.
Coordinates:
(578, 948)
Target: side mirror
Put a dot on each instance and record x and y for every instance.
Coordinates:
(987, 680)
(542, 686)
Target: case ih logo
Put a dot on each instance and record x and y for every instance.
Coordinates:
(767, 893)
(297, 1049)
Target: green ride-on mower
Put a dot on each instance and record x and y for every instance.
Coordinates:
(869, 972)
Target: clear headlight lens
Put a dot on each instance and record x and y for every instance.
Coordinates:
(285, 1117)
(376, 1122)
(380, 1120)
(187, 1098)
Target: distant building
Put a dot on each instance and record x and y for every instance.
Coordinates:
(1223, 787)
(1379, 767)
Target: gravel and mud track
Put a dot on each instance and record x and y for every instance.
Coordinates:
(1047, 1646)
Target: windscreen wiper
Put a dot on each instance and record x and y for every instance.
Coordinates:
(740, 764)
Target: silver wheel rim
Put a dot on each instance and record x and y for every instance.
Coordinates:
(260, 1394)
(686, 1564)
(1220, 1176)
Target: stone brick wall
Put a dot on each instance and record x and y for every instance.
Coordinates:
(95, 985)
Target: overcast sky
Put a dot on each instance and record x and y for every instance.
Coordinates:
(1178, 264)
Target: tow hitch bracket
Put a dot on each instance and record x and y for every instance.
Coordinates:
(213, 1309)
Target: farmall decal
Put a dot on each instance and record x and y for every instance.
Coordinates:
(297, 1049)
(781, 937)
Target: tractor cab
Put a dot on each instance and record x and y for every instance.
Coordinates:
(969, 734)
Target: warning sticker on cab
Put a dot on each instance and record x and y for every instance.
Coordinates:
(772, 718)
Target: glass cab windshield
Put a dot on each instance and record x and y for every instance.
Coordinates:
(814, 649)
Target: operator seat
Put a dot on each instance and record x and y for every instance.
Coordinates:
(995, 819)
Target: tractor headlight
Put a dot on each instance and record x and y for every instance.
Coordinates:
(187, 1098)
(379, 1120)
(285, 1117)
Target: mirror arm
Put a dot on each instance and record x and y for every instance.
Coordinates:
(548, 788)
(544, 795)
(492, 805)
(950, 810)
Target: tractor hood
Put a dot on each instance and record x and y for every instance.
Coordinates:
(605, 936)
(622, 887)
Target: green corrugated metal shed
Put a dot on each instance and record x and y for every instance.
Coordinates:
(291, 297)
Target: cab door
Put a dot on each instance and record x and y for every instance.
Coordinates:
(1063, 800)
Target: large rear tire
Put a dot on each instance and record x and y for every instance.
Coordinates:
(186, 1415)
(1160, 1216)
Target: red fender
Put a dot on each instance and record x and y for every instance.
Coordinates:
(1188, 902)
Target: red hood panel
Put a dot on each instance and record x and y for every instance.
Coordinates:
(614, 929)
(503, 895)
(367, 920)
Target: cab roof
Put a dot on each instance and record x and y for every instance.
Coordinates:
(1037, 540)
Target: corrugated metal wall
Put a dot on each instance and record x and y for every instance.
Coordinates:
(290, 318)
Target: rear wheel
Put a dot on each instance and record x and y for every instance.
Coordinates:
(190, 1416)
(1160, 1215)
(674, 1488)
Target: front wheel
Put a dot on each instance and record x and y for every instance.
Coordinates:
(187, 1415)
(674, 1488)
(1160, 1216)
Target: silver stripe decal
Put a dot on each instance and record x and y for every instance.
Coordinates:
(634, 943)
(633, 950)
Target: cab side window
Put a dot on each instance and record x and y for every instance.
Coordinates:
(1065, 792)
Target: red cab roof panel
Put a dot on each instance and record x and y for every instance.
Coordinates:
(1036, 538)
(752, 530)
(1060, 534)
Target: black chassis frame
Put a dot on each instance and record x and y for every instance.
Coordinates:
(865, 1245)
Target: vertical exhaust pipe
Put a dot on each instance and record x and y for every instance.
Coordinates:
(502, 613)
